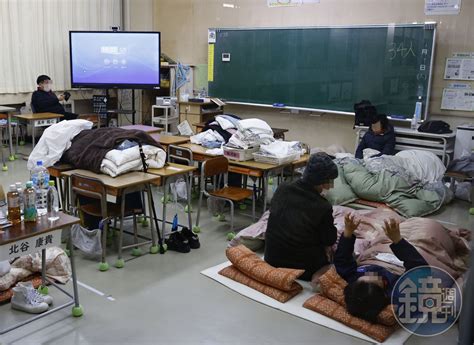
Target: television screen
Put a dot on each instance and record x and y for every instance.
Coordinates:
(129, 60)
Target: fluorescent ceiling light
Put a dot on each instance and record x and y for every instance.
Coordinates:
(228, 5)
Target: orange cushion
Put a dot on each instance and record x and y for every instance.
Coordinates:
(332, 286)
(253, 266)
(325, 306)
(281, 296)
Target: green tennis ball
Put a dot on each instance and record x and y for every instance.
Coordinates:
(230, 236)
(471, 210)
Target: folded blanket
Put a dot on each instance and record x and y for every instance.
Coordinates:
(252, 265)
(325, 306)
(251, 270)
(281, 296)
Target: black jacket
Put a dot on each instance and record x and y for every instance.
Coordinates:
(346, 265)
(299, 228)
(46, 102)
(385, 143)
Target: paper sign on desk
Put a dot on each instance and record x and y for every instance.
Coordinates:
(210, 62)
(458, 99)
(30, 245)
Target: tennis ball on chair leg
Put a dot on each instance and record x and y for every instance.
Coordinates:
(471, 210)
(196, 229)
(230, 236)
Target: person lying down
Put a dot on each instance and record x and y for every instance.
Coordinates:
(370, 286)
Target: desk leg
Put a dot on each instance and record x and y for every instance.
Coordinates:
(165, 200)
(154, 249)
(265, 191)
(121, 262)
(10, 140)
(188, 189)
(77, 310)
(34, 134)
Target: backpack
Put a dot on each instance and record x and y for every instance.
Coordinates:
(435, 127)
(365, 112)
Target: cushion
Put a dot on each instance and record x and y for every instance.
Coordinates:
(332, 286)
(281, 296)
(253, 266)
(327, 307)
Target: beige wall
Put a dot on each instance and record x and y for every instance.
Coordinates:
(184, 25)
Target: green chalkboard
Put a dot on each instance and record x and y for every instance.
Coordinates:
(325, 68)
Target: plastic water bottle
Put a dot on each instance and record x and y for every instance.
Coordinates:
(53, 202)
(13, 200)
(40, 179)
(19, 189)
(29, 196)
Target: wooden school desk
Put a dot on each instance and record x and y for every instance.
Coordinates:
(278, 133)
(166, 140)
(148, 129)
(249, 168)
(169, 174)
(38, 120)
(121, 186)
(29, 238)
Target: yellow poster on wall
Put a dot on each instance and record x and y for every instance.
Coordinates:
(210, 62)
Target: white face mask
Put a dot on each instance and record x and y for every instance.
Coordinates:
(46, 87)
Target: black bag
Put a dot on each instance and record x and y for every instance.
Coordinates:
(435, 127)
(365, 113)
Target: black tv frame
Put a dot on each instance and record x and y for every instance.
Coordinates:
(115, 85)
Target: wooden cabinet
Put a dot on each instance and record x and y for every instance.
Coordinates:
(196, 112)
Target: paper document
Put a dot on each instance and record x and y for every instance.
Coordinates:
(458, 99)
(460, 69)
(442, 7)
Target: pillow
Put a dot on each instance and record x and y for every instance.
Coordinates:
(253, 266)
(325, 306)
(224, 123)
(332, 286)
(281, 296)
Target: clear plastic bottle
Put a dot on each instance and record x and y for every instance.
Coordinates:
(30, 203)
(19, 189)
(13, 200)
(414, 123)
(53, 202)
(40, 179)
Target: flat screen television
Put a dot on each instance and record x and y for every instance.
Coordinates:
(109, 59)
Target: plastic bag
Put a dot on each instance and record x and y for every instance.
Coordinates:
(463, 191)
(4, 267)
(178, 189)
(88, 241)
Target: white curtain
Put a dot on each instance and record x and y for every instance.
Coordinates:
(34, 38)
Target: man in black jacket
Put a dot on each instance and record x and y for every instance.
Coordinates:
(44, 100)
(301, 224)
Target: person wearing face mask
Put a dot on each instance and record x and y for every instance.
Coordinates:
(44, 100)
(370, 286)
(301, 225)
(380, 137)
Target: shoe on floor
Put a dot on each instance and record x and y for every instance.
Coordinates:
(178, 243)
(46, 298)
(192, 238)
(27, 300)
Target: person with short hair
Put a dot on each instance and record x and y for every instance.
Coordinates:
(369, 287)
(44, 100)
(380, 137)
(301, 225)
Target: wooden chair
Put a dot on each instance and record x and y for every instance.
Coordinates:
(217, 168)
(95, 190)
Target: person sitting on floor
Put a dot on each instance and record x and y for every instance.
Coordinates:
(44, 100)
(301, 225)
(370, 286)
(380, 137)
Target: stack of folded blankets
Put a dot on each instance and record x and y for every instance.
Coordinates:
(249, 269)
(281, 149)
(217, 132)
(117, 162)
(251, 133)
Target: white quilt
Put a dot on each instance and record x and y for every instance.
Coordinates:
(117, 162)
